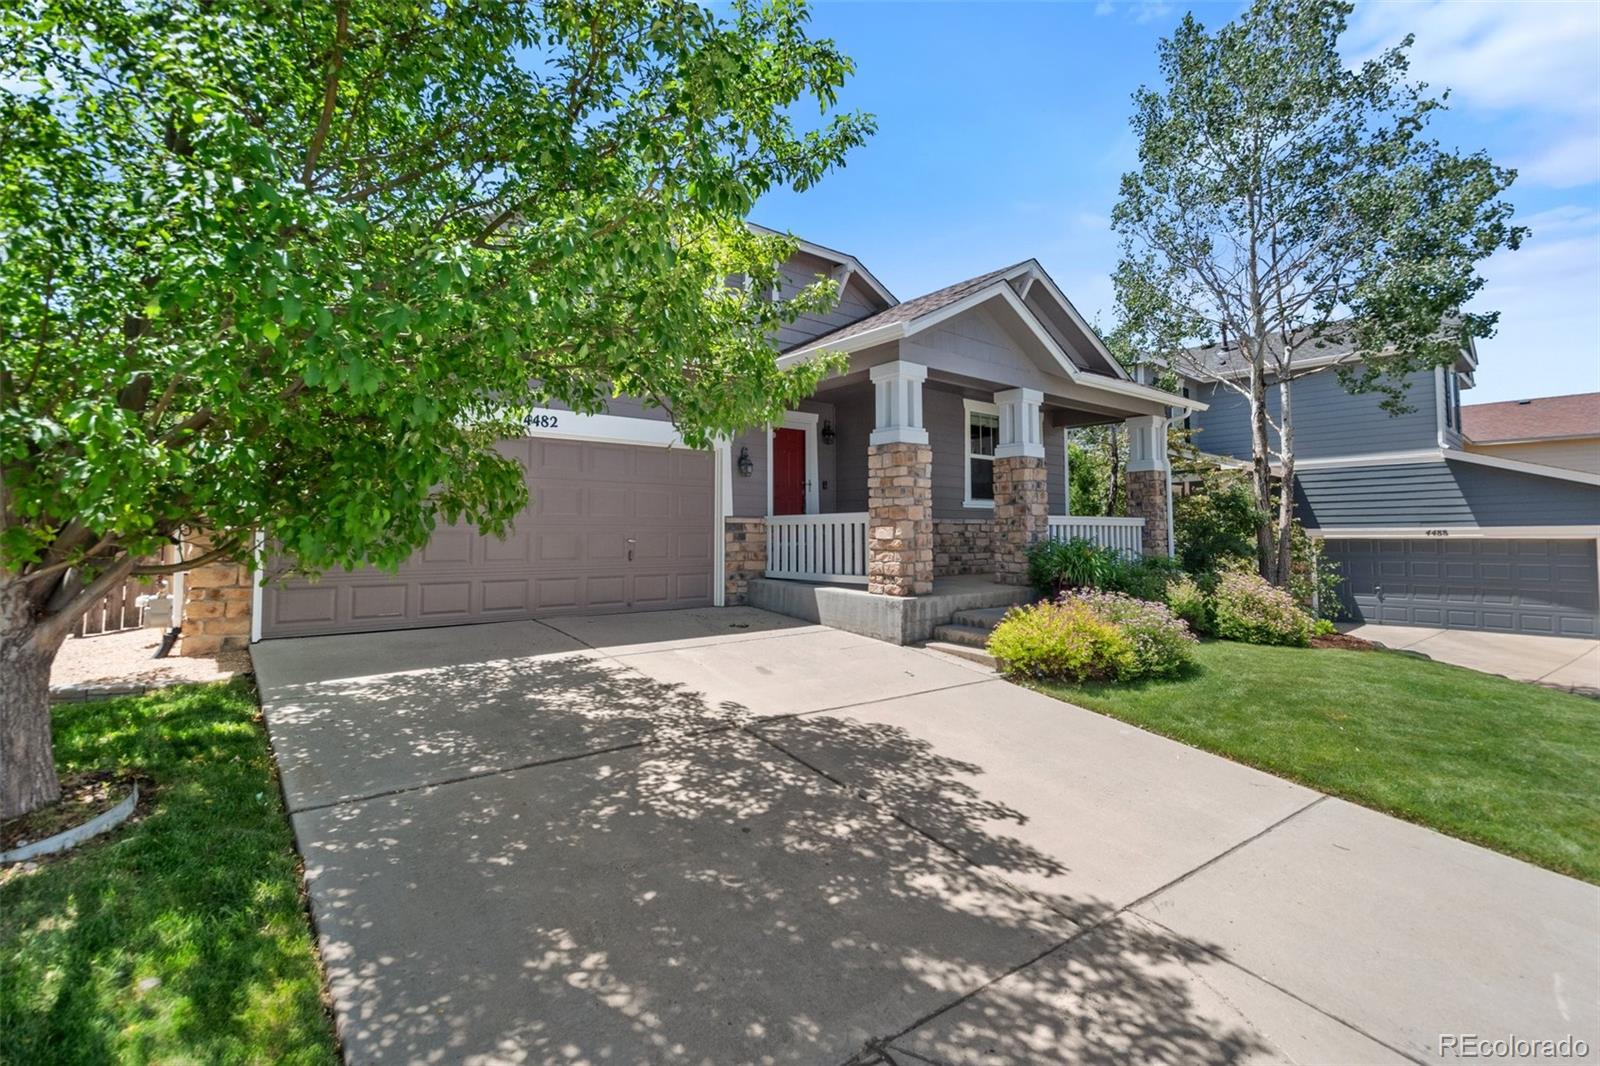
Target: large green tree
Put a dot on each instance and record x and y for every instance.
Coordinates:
(1286, 202)
(293, 269)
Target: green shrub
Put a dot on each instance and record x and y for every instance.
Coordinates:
(1322, 627)
(1054, 565)
(1162, 644)
(1063, 641)
(1314, 579)
(1252, 610)
(1143, 578)
(1216, 523)
(1189, 599)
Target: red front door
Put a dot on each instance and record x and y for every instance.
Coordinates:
(788, 471)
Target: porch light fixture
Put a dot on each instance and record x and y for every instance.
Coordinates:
(746, 467)
(827, 431)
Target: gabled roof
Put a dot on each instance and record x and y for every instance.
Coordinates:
(843, 259)
(1009, 285)
(1336, 346)
(1541, 418)
(907, 311)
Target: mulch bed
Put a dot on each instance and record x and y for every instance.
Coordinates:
(1343, 640)
(83, 796)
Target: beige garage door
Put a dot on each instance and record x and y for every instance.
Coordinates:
(609, 527)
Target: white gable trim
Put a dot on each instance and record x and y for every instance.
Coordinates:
(999, 289)
(840, 258)
(1034, 269)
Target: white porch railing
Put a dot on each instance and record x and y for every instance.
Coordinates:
(1124, 534)
(818, 547)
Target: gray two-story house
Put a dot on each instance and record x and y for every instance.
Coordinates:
(1424, 531)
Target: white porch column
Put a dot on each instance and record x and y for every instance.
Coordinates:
(899, 486)
(1150, 481)
(1021, 428)
(1021, 492)
(899, 403)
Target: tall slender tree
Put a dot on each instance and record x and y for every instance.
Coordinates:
(293, 269)
(1285, 202)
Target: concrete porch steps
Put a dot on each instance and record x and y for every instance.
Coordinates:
(966, 635)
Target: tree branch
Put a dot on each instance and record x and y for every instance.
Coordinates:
(330, 93)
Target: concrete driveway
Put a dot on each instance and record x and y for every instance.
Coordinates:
(726, 837)
(1569, 663)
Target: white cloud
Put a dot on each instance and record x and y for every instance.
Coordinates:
(1498, 55)
(1569, 162)
(1549, 336)
(1139, 10)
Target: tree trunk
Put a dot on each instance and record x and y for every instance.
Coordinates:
(1261, 466)
(1282, 549)
(27, 761)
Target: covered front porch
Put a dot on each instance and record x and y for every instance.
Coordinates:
(941, 453)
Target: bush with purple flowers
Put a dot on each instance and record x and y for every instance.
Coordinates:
(1162, 643)
(1253, 610)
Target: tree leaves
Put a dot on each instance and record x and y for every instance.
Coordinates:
(511, 204)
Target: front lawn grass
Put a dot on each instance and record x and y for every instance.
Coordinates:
(1508, 765)
(181, 937)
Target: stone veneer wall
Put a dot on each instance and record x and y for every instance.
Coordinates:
(900, 519)
(963, 546)
(1021, 514)
(745, 556)
(216, 609)
(1147, 499)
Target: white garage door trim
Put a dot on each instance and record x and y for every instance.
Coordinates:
(599, 429)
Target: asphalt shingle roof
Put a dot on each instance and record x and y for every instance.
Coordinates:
(910, 309)
(1577, 415)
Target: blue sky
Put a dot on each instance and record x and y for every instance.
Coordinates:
(1003, 132)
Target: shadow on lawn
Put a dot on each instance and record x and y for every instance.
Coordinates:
(181, 936)
(700, 898)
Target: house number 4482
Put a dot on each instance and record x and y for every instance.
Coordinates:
(540, 421)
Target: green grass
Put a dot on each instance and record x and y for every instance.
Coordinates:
(180, 938)
(1508, 765)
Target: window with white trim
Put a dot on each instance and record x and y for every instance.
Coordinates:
(983, 433)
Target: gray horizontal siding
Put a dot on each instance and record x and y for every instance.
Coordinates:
(855, 302)
(1328, 421)
(750, 493)
(1440, 494)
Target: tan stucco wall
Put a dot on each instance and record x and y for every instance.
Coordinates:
(1582, 454)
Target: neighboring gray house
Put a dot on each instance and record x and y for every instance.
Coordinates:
(1425, 531)
(908, 486)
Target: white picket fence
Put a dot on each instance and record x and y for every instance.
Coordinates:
(1124, 534)
(818, 547)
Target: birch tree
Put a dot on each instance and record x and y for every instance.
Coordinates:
(1287, 203)
(293, 269)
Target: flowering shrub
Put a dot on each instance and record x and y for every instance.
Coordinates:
(1162, 644)
(1252, 610)
(1064, 641)
(1190, 602)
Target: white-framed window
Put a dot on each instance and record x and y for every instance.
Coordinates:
(982, 433)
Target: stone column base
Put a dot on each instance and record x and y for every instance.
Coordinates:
(744, 557)
(216, 610)
(1147, 499)
(900, 519)
(1021, 514)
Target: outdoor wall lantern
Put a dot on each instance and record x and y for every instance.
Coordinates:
(827, 431)
(746, 467)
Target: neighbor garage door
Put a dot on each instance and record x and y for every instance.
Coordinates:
(609, 527)
(1515, 586)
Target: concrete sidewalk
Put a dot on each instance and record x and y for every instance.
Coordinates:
(1568, 663)
(722, 837)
